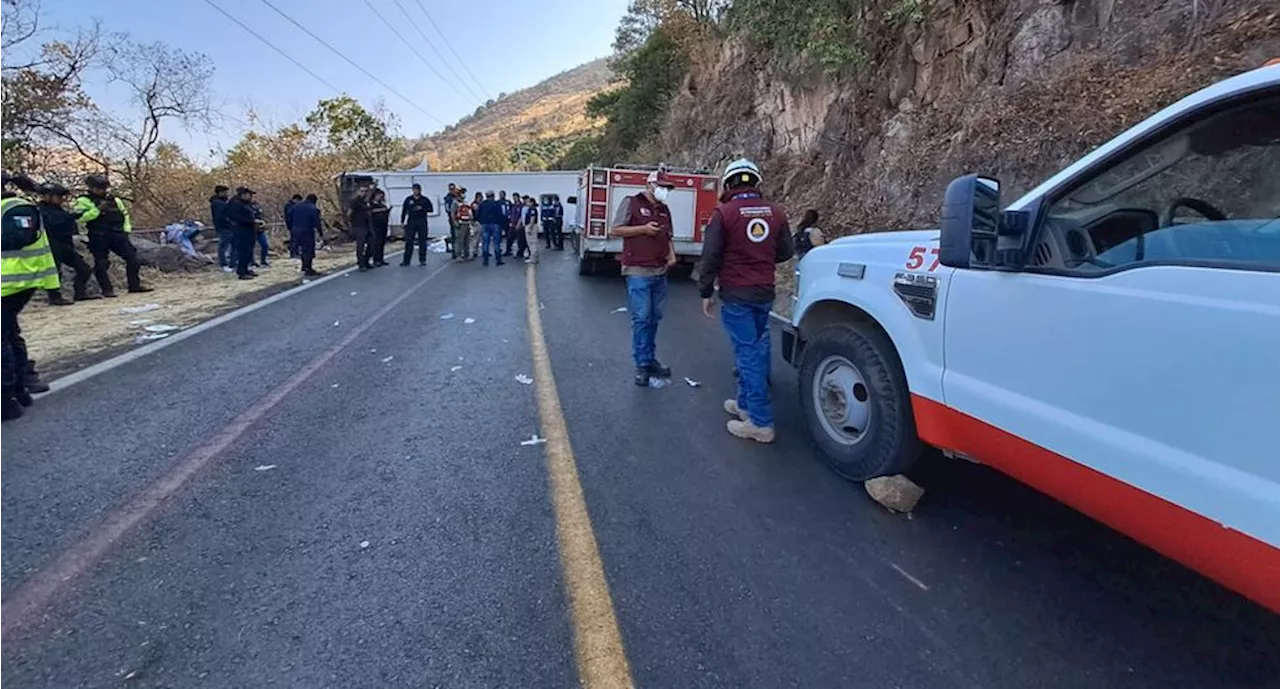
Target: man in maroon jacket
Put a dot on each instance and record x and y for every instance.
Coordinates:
(644, 223)
(747, 235)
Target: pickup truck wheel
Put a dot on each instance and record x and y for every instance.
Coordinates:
(856, 404)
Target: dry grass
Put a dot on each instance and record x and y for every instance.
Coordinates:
(65, 338)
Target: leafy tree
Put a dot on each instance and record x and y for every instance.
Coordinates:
(634, 111)
(364, 139)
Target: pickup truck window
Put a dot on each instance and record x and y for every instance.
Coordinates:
(1207, 194)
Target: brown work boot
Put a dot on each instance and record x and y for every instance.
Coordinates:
(749, 431)
(731, 407)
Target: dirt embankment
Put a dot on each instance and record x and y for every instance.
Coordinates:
(1013, 88)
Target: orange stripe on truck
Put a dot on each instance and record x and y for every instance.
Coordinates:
(1235, 560)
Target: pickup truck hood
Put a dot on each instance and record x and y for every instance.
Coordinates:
(909, 237)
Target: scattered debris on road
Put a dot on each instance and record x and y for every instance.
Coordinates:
(140, 309)
(354, 293)
(149, 337)
(335, 385)
(455, 368)
(535, 440)
(445, 316)
(335, 323)
(364, 544)
(524, 380)
(692, 383)
(896, 493)
(264, 467)
(658, 383)
(469, 321)
(160, 328)
(387, 359)
(541, 306)
(620, 309)
(140, 321)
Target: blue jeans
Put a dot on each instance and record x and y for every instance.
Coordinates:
(492, 237)
(262, 242)
(227, 248)
(748, 328)
(645, 298)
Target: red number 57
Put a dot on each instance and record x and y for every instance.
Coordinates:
(915, 259)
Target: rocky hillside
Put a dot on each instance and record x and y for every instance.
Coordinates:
(533, 125)
(1015, 88)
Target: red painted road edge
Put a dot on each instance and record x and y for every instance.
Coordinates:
(41, 589)
(1235, 560)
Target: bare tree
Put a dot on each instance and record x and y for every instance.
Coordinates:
(20, 21)
(166, 85)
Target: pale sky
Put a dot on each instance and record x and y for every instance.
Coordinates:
(506, 44)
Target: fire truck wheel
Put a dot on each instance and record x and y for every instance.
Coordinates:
(586, 266)
(856, 404)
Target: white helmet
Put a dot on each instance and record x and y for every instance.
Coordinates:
(740, 171)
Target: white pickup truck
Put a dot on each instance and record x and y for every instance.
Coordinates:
(1112, 338)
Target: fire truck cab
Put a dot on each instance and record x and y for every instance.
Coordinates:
(601, 190)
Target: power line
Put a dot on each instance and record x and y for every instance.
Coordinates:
(426, 62)
(435, 50)
(272, 46)
(351, 62)
(450, 47)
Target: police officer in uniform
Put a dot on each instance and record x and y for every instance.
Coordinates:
(242, 217)
(26, 266)
(413, 215)
(746, 236)
(306, 227)
(61, 228)
(107, 220)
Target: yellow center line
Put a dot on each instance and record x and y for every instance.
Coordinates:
(597, 642)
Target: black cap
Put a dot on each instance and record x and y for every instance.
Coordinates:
(244, 190)
(416, 186)
(221, 188)
(53, 189)
(96, 181)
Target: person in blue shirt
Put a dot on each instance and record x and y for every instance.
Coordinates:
(492, 219)
(515, 226)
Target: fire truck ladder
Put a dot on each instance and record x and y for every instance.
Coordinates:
(664, 166)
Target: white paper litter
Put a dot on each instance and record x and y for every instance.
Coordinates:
(437, 247)
(658, 383)
(364, 544)
(140, 309)
(140, 321)
(469, 321)
(535, 440)
(445, 316)
(692, 383)
(305, 281)
(456, 368)
(387, 359)
(523, 379)
(149, 337)
(541, 306)
(354, 293)
(335, 323)
(334, 385)
(620, 309)
(264, 467)
(160, 328)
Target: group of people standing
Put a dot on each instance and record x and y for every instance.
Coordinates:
(241, 227)
(38, 238)
(480, 228)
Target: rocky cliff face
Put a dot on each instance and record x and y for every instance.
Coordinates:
(1013, 88)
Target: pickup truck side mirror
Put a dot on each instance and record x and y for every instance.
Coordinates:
(975, 234)
(571, 200)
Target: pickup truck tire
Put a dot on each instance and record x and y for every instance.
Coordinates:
(850, 376)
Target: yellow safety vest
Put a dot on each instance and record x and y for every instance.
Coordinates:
(32, 266)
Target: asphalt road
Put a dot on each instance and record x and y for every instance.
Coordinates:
(405, 537)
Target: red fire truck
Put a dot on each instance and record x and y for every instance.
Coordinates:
(601, 190)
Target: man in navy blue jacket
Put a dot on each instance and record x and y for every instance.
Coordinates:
(226, 238)
(288, 223)
(492, 220)
(242, 216)
(306, 227)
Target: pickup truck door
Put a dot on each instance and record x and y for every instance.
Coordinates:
(1133, 370)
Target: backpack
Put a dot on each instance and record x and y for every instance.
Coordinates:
(21, 224)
